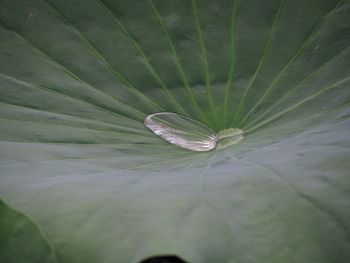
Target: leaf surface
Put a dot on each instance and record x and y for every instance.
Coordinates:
(77, 79)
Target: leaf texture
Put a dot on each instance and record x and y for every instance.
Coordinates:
(77, 79)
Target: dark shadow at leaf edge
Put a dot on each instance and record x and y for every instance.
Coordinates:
(163, 259)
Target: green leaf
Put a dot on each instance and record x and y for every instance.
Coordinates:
(21, 240)
(77, 79)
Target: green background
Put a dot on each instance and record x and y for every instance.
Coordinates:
(83, 180)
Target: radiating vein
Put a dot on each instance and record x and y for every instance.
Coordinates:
(57, 125)
(139, 144)
(95, 158)
(304, 197)
(262, 59)
(27, 84)
(146, 61)
(69, 72)
(232, 61)
(296, 55)
(201, 177)
(38, 227)
(205, 60)
(300, 84)
(185, 166)
(108, 66)
(177, 62)
(168, 163)
(276, 116)
(80, 118)
(308, 117)
(211, 205)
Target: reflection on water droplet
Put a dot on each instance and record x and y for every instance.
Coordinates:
(182, 131)
(190, 134)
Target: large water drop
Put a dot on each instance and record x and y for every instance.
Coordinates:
(182, 131)
(190, 134)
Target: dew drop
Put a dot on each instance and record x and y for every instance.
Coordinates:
(190, 134)
(182, 131)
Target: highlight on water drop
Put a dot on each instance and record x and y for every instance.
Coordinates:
(182, 131)
(190, 134)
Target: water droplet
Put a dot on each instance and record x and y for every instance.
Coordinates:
(182, 131)
(190, 134)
